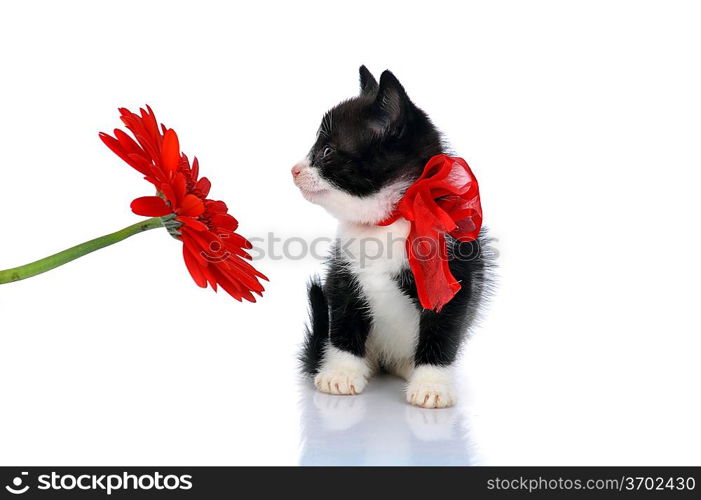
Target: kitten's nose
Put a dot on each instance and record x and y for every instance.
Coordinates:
(296, 170)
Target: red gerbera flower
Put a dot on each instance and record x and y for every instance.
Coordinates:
(214, 253)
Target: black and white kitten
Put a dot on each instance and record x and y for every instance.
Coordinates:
(366, 316)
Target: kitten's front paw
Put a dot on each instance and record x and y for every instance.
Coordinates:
(340, 382)
(431, 387)
(342, 373)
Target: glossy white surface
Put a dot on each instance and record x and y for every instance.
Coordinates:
(379, 428)
(581, 122)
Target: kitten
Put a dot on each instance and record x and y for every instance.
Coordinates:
(366, 316)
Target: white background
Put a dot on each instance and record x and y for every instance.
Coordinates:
(581, 120)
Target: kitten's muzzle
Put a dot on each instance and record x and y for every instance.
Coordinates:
(307, 179)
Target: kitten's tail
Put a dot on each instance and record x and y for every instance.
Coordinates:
(317, 334)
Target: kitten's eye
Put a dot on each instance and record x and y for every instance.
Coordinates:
(327, 151)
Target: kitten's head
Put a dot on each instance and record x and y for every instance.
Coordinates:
(368, 150)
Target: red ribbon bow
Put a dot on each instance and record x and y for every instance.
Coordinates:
(444, 200)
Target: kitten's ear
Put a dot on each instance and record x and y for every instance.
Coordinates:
(368, 84)
(391, 102)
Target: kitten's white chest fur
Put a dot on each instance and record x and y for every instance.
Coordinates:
(376, 254)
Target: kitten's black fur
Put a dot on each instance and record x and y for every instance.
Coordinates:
(364, 144)
(375, 138)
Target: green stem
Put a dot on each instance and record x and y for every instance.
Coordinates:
(52, 261)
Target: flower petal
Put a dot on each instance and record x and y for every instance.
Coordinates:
(194, 267)
(179, 185)
(150, 206)
(191, 206)
(114, 145)
(203, 186)
(168, 193)
(170, 153)
(225, 221)
(195, 168)
(216, 207)
(193, 223)
(128, 144)
(140, 163)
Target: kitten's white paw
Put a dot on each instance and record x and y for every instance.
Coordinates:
(431, 387)
(340, 382)
(342, 373)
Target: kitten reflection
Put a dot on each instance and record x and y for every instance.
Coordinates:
(379, 428)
